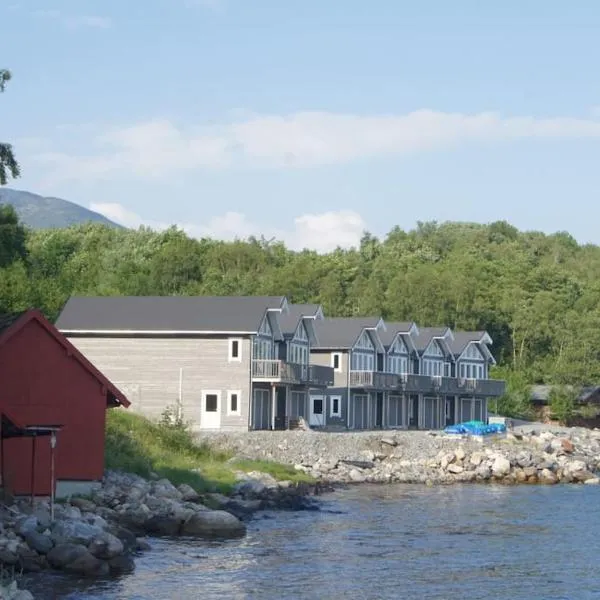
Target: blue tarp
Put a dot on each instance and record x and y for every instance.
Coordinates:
(476, 428)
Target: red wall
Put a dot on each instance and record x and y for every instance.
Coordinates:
(41, 385)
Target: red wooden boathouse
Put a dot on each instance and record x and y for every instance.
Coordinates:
(50, 390)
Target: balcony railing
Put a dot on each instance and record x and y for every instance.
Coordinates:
(482, 387)
(373, 379)
(280, 371)
(320, 375)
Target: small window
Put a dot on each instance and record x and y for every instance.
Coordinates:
(335, 406)
(211, 402)
(234, 402)
(318, 406)
(336, 361)
(235, 350)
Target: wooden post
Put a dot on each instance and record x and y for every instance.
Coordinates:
(273, 405)
(33, 447)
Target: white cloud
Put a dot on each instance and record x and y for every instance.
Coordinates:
(322, 232)
(159, 148)
(74, 21)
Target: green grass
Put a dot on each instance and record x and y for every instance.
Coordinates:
(136, 445)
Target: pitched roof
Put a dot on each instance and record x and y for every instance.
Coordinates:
(14, 323)
(289, 320)
(426, 334)
(341, 333)
(167, 314)
(392, 329)
(463, 338)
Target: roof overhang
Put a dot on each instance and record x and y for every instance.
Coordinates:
(149, 332)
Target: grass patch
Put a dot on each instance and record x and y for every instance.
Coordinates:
(136, 445)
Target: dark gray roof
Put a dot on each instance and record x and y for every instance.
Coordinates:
(289, 321)
(426, 334)
(462, 339)
(540, 394)
(341, 333)
(226, 314)
(392, 330)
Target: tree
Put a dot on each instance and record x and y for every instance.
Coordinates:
(12, 237)
(562, 404)
(9, 167)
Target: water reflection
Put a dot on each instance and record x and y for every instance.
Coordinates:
(480, 542)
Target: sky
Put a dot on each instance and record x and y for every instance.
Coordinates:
(310, 121)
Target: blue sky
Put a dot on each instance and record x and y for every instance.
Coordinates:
(308, 120)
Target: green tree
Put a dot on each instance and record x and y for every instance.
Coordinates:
(12, 236)
(562, 404)
(9, 167)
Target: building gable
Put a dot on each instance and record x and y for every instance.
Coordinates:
(364, 342)
(472, 352)
(398, 347)
(265, 327)
(433, 350)
(301, 333)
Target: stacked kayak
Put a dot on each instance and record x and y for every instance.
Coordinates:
(476, 428)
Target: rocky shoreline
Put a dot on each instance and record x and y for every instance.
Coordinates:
(528, 456)
(101, 535)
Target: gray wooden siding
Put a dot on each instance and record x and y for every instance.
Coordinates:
(340, 378)
(147, 371)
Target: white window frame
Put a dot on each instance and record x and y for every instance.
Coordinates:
(230, 357)
(238, 412)
(337, 414)
(337, 369)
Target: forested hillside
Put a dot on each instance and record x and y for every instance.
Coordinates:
(538, 295)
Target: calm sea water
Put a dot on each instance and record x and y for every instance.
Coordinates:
(376, 542)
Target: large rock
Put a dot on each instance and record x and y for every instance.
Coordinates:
(106, 546)
(83, 504)
(25, 525)
(501, 466)
(168, 525)
(213, 524)
(188, 493)
(88, 565)
(39, 542)
(76, 532)
(121, 564)
(63, 554)
(165, 489)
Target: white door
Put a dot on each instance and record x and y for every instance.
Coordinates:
(210, 411)
(316, 415)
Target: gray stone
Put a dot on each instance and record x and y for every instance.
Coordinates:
(76, 532)
(88, 565)
(63, 554)
(83, 504)
(500, 466)
(26, 524)
(454, 468)
(213, 524)
(356, 476)
(121, 564)
(188, 493)
(106, 546)
(389, 441)
(39, 542)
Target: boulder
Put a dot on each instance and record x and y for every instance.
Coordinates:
(213, 524)
(76, 532)
(592, 481)
(476, 458)
(548, 477)
(121, 564)
(26, 524)
(88, 565)
(168, 525)
(455, 469)
(460, 454)
(188, 493)
(165, 489)
(356, 476)
(83, 504)
(39, 542)
(389, 441)
(500, 467)
(567, 445)
(106, 546)
(7, 557)
(63, 554)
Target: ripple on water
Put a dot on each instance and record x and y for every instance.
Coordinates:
(379, 542)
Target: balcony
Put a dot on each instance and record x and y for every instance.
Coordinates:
(373, 379)
(280, 371)
(320, 376)
(481, 387)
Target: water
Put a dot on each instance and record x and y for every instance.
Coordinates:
(379, 542)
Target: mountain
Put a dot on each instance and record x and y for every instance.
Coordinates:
(39, 212)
